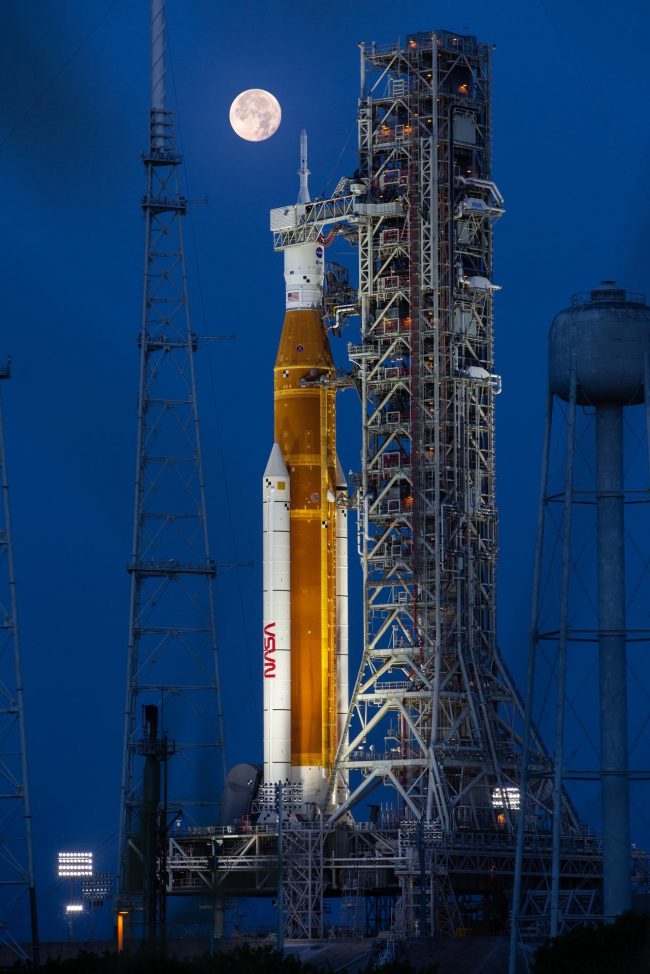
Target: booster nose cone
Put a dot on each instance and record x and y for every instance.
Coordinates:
(341, 482)
(276, 467)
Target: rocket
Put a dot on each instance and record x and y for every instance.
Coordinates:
(305, 602)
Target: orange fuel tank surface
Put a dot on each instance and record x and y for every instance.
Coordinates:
(305, 433)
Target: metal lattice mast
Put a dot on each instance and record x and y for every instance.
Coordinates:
(172, 660)
(18, 919)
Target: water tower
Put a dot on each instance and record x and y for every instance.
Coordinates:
(599, 353)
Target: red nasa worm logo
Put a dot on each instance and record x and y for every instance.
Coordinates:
(269, 651)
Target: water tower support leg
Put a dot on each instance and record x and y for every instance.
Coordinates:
(646, 395)
(558, 771)
(612, 652)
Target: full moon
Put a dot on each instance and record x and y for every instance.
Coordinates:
(255, 114)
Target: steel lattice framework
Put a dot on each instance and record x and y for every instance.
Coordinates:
(172, 659)
(433, 689)
(18, 920)
(434, 713)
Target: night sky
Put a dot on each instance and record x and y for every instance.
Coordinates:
(571, 156)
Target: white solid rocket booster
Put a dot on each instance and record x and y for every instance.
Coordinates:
(342, 678)
(277, 619)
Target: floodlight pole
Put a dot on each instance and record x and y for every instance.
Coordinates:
(12, 727)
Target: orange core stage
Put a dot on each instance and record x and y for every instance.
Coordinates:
(305, 433)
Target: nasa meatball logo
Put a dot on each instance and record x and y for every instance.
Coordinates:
(319, 251)
(269, 651)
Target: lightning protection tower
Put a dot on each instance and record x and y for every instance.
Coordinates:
(172, 655)
(434, 714)
(18, 919)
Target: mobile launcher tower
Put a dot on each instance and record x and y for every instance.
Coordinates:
(433, 694)
(434, 726)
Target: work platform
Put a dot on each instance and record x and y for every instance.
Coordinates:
(386, 877)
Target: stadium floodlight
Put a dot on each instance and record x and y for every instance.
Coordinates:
(73, 865)
(506, 798)
(97, 888)
(72, 910)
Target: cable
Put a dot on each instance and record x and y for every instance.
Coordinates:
(39, 97)
(596, 104)
(334, 170)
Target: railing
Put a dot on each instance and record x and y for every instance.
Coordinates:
(608, 293)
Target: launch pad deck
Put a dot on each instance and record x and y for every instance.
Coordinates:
(468, 876)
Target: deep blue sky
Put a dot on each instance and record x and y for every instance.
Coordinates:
(571, 156)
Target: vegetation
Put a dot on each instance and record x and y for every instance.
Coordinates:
(622, 947)
(240, 960)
